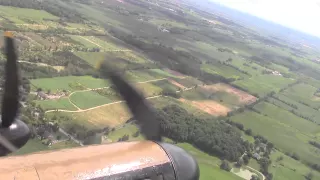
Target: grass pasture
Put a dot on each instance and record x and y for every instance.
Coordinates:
(32, 146)
(220, 97)
(284, 137)
(18, 14)
(287, 118)
(221, 93)
(109, 115)
(142, 75)
(67, 83)
(188, 81)
(165, 101)
(89, 99)
(288, 168)
(120, 60)
(165, 85)
(93, 58)
(223, 70)
(84, 41)
(62, 103)
(263, 84)
(300, 108)
(303, 93)
(127, 129)
(148, 89)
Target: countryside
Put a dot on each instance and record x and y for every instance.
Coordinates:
(244, 103)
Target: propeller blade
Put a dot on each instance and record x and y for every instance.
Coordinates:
(10, 99)
(140, 109)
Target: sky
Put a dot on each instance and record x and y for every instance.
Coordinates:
(303, 15)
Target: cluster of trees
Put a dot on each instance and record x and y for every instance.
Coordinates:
(293, 155)
(214, 137)
(315, 144)
(225, 166)
(225, 50)
(124, 138)
(171, 93)
(181, 61)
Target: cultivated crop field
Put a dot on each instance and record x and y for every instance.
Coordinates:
(286, 138)
(106, 116)
(89, 99)
(225, 71)
(69, 83)
(263, 84)
(287, 118)
(62, 103)
(289, 168)
(303, 93)
(291, 105)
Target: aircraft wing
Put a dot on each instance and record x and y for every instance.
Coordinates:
(126, 160)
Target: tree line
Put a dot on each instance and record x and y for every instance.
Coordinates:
(211, 136)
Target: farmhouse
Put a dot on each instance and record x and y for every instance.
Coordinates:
(41, 95)
(256, 156)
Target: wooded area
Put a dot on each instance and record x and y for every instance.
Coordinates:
(212, 136)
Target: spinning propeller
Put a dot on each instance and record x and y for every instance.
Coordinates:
(184, 165)
(13, 132)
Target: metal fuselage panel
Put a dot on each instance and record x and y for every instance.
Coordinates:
(141, 159)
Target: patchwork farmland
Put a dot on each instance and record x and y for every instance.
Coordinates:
(241, 101)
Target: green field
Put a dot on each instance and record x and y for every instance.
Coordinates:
(142, 75)
(83, 40)
(93, 58)
(222, 97)
(300, 108)
(188, 81)
(18, 14)
(303, 93)
(165, 85)
(284, 137)
(69, 83)
(263, 84)
(223, 70)
(64, 145)
(62, 103)
(128, 129)
(165, 101)
(288, 119)
(288, 168)
(119, 60)
(89, 99)
(33, 145)
(103, 45)
(162, 73)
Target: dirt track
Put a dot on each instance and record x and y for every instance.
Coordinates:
(92, 89)
(211, 107)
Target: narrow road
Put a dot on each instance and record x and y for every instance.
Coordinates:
(84, 110)
(91, 42)
(258, 172)
(117, 102)
(69, 135)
